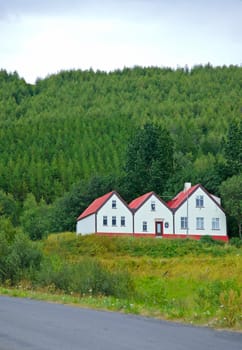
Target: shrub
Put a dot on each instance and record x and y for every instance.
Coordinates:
(86, 277)
(18, 258)
(209, 240)
(236, 241)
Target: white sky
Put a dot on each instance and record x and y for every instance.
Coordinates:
(42, 37)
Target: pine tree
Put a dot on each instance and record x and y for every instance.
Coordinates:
(231, 191)
(149, 160)
(233, 149)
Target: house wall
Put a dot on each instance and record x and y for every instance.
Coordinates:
(208, 212)
(86, 225)
(120, 210)
(161, 213)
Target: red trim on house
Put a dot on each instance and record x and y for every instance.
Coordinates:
(112, 234)
(145, 235)
(159, 234)
(165, 235)
(116, 234)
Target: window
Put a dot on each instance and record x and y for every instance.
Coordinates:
(144, 226)
(122, 221)
(114, 204)
(199, 202)
(215, 224)
(114, 221)
(184, 223)
(200, 223)
(152, 206)
(105, 221)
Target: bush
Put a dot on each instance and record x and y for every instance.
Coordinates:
(18, 258)
(236, 241)
(86, 277)
(36, 221)
(209, 240)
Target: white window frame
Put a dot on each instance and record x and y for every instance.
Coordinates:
(105, 220)
(200, 223)
(199, 201)
(184, 223)
(144, 226)
(152, 206)
(215, 224)
(122, 221)
(114, 204)
(114, 221)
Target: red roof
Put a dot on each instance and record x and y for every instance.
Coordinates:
(137, 202)
(181, 197)
(95, 205)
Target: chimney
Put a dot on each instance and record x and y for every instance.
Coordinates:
(187, 185)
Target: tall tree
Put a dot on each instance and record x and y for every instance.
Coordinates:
(149, 160)
(35, 219)
(8, 207)
(67, 208)
(231, 192)
(233, 149)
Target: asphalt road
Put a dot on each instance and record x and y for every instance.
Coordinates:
(26, 324)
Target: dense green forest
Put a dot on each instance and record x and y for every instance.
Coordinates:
(64, 140)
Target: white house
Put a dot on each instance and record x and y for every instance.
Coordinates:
(192, 213)
(152, 216)
(108, 214)
(198, 213)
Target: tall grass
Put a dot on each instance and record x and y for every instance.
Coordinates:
(198, 282)
(87, 277)
(178, 279)
(92, 245)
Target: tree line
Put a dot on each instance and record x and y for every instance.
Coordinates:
(78, 134)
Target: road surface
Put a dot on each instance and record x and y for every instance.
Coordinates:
(34, 325)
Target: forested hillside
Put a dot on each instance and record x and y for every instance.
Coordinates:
(76, 125)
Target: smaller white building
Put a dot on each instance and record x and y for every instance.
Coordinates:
(197, 213)
(152, 216)
(108, 214)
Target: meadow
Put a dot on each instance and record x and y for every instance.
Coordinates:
(197, 282)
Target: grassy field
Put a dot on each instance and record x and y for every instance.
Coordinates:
(182, 280)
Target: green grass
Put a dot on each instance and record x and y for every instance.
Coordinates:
(188, 281)
(68, 245)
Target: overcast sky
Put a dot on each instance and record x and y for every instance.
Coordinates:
(42, 37)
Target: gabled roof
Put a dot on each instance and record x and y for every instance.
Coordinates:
(137, 202)
(181, 197)
(96, 205)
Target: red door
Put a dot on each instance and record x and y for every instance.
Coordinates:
(159, 228)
